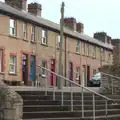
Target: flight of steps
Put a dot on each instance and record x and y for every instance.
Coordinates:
(37, 106)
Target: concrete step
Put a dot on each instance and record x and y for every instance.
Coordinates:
(65, 114)
(65, 102)
(110, 117)
(36, 108)
(57, 97)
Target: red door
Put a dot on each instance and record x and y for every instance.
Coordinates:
(53, 70)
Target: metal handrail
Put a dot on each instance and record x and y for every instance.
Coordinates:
(110, 75)
(82, 93)
(77, 84)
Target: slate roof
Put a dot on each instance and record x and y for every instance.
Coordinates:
(10, 11)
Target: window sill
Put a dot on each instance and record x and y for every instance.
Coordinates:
(43, 76)
(77, 53)
(34, 42)
(13, 36)
(14, 74)
(44, 44)
(26, 40)
(2, 73)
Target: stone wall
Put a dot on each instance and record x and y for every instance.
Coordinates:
(11, 104)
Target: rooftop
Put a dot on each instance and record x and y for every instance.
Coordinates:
(10, 11)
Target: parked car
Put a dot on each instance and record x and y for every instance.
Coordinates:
(95, 80)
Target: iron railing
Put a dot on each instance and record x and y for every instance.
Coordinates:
(43, 79)
(110, 84)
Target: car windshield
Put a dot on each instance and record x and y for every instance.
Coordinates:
(97, 76)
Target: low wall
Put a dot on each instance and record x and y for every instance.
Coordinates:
(11, 104)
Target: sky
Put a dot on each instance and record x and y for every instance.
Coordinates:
(96, 15)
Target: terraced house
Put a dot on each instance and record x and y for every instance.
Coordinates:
(28, 40)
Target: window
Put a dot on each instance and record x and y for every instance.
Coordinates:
(58, 41)
(12, 64)
(102, 54)
(32, 33)
(1, 60)
(77, 46)
(44, 37)
(25, 30)
(44, 64)
(94, 51)
(78, 74)
(12, 27)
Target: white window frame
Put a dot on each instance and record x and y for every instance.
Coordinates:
(1, 60)
(25, 30)
(33, 33)
(44, 64)
(94, 52)
(58, 39)
(77, 73)
(44, 37)
(77, 46)
(13, 64)
(13, 27)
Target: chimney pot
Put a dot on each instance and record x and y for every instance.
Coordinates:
(35, 9)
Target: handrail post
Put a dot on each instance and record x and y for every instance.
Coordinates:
(62, 97)
(82, 93)
(93, 106)
(71, 96)
(53, 88)
(106, 108)
(112, 86)
(46, 80)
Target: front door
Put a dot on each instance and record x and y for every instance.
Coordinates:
(25, 68)
(32, 68)
(53, 70)
(88, 75)
(70, 72)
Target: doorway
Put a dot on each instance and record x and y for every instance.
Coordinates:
(88, 75)
(25, 68)
(70, 72)
(52, 68)
(83, 81)
(32, 69)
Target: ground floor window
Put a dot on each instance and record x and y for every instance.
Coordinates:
(44, 64)
(78, 74)
(12, 68)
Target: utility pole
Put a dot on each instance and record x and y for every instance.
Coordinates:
(60, 81)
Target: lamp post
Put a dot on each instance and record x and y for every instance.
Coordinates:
(60, 81)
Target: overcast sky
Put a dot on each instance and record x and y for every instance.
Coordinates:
(96, 15)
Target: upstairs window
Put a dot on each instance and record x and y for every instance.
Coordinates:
(25, 30)
(12, 69)
(12, 27)
(102, 54)
(33, 33)
(94, 51)
(58, 41)
(77, 46)
(44, 37)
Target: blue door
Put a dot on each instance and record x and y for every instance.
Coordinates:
(32, 67)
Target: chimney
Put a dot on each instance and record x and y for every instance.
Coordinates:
(102, 36)
(80, 27)
(35, 9)
(19, 4)
(109, 39)
(70, 23)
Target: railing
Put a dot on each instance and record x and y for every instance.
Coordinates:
(43, 80)
(110, 83)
